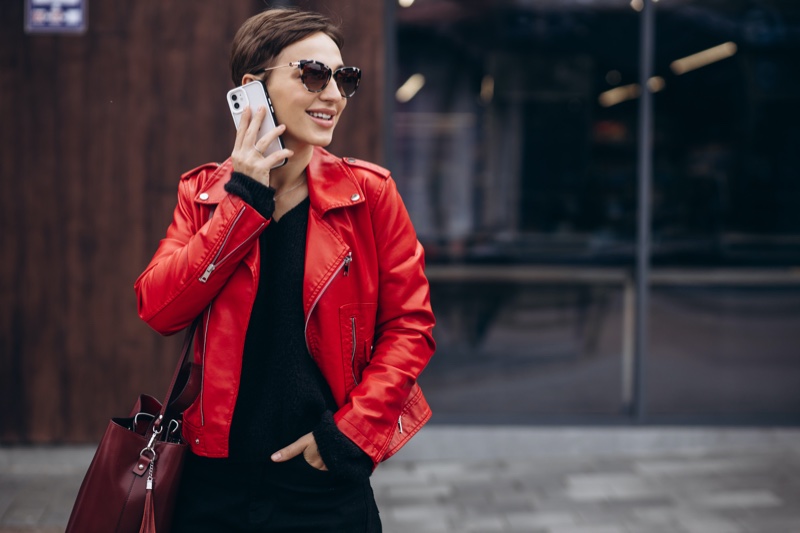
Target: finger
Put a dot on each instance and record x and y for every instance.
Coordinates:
(251, 133)
(277, 157)
(312, 457)
(292, 450)
(269, 137)
(243, 123)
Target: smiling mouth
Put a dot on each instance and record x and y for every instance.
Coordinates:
(322, 116)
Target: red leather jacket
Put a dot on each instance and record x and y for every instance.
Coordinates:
(366, 299)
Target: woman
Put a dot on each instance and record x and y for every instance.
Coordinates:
(316, 318)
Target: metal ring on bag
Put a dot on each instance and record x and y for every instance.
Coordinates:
(151, 442)
(136, 416)
(151, 450)
(177, 426)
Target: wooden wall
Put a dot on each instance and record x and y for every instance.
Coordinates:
(95, 130)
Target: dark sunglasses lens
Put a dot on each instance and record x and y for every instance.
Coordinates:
(347, 79)
(315, 76)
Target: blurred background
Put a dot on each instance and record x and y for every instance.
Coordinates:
(512, 130)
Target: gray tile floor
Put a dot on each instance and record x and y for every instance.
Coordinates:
(536, 480)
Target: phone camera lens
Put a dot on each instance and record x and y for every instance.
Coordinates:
(234, 97)
(236, 106)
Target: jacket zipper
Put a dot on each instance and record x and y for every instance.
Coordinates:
(347, 260)
(205, 344)
(353, 357)
(214, 263)
(203, 362)
(211, 267)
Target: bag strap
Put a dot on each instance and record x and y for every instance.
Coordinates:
(188, 374)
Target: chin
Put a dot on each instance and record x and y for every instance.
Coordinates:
(321, 141)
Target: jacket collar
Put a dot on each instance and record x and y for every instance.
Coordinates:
(331, 184)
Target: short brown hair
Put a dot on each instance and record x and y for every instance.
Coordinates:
(263, 37)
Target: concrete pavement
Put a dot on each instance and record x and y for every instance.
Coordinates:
(509, 479)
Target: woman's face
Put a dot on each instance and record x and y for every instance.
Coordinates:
(310, 118)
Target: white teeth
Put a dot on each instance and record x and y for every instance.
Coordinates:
(323, 116)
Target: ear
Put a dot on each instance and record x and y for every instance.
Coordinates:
(247, 78)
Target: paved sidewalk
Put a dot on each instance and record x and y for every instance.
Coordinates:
(536, 480)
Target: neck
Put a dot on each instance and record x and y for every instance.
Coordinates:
(290, 173)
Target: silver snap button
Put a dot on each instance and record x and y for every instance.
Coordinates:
(355, 197)
(197, 441)
(351, 160)
(204, 196)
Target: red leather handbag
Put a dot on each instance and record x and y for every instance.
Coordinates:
(133, 479)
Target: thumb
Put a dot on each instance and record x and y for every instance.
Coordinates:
(292, 450)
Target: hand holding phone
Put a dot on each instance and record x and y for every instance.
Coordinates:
(252, 95)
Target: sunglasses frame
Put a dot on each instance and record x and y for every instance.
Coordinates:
(331, 74)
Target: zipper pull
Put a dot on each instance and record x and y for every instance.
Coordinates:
(347, 261)
(400, 423)
(207, 273)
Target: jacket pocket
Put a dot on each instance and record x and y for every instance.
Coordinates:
(357, 331)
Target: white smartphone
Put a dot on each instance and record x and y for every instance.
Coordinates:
(253, 95)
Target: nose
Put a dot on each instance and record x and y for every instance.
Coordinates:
(331, 92)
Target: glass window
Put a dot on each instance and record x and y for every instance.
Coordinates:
(512, 144)
(726, 155)
(727, 200)
(508, 156)
(516, 152)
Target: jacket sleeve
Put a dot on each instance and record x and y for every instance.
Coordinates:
(195, 259)
(403, 333)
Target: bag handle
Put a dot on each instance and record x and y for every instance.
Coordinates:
(189, 374)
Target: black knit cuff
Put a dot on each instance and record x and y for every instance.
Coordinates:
(261, 197)
(343, 458)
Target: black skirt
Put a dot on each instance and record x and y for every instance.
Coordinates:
(220, 495)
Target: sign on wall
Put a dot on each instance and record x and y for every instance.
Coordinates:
(55, 16)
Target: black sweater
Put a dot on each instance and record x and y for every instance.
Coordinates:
(282, 393)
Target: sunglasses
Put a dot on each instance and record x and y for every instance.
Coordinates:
(316, 76)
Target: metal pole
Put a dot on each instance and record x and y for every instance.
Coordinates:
(645, 177)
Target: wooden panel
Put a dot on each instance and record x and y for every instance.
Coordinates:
(96, 130)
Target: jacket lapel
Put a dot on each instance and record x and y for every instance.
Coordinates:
(330, 186)
(330, 183)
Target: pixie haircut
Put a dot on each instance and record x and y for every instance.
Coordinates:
(263, 37)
